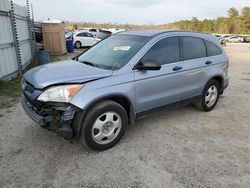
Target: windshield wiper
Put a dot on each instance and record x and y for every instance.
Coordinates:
(90, 63)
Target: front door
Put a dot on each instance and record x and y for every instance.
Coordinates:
(158, 88)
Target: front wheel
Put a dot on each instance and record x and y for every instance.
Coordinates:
(104, 125)
(209, 97)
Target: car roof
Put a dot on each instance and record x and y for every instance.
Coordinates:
(146, 33)
(153, 33)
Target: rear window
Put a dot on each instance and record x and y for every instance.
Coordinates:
(193, 48)
(212, 49)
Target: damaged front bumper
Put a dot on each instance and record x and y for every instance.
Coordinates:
(59, 117)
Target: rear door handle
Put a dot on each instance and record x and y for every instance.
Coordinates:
(208, 62)
(177, 68)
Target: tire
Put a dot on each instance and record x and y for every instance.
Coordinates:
(78, 44)
(207, 103)
(104, 125)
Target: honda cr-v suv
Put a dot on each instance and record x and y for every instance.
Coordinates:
(95, 96)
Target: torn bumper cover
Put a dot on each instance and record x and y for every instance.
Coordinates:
(58, 117)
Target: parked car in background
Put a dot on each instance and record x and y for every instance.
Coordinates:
(225, 37)
(116, 30)
(94, 97)
(234, 39)
(68, 34)
(246, 39)
(222, 41)
(100, 33)
(218, 36)
(84, 39)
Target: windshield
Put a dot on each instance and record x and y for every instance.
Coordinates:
(113, 52)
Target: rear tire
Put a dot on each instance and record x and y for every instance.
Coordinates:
(78, 44)
(104, 125)
(210, 96)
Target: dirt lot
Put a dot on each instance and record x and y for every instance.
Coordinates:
(172, 148)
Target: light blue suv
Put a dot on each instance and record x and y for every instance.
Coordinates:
(95, 96)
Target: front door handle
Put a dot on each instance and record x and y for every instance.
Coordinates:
(177, 68)
(208, 62)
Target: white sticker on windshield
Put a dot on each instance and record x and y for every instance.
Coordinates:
(122, 48)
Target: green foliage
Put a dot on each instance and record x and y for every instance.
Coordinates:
(245, 20)
(234, 23)
(10, 92)
(233, 13)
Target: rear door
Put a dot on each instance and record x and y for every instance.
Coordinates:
(91, 39)
(158, 88)
(194, 65)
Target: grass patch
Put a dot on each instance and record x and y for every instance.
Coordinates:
(10, 87)
(10, 92)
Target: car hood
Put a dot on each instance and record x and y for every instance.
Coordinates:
(64, 72)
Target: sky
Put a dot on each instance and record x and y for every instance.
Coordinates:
(132, 11)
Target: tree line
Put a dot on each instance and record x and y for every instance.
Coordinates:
(237, 22)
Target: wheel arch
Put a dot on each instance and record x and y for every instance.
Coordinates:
(220, 80)
(119, 98)
(77, 41)
(124, 101)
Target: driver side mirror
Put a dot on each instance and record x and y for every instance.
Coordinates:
(149, 65)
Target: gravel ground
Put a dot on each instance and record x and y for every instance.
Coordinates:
(171, 148)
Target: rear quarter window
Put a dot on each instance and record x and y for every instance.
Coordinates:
(212, 49)
(193, 48)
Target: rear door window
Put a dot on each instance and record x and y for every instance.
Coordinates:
(90, 35)
(82, 35)
(212, 49)
(192, 48)
(165, 51)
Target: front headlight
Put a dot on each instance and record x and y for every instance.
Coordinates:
(62, 93)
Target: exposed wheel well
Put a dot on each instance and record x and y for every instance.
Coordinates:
(219, 79)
